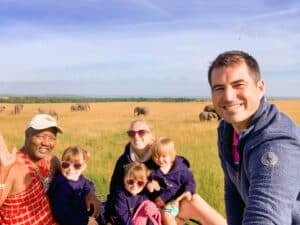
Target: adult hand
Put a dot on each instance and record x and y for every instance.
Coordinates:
(6, 158)
(153, 186)
(186, 195)
(91, 200)
(92, 221)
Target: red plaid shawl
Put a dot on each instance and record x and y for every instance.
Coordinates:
(30, 207)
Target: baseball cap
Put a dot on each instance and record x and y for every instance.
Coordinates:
(43, 121)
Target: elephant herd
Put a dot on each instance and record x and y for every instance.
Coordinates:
(80, 107)
(2, 108)
(209, 114)
(17, 109)
(51, 112)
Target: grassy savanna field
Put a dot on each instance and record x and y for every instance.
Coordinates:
(102, 130)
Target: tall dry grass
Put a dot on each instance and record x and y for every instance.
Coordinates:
(102, 130)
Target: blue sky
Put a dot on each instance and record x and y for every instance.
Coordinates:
(161, 48)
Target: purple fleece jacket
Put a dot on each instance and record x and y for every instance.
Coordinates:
(177, 181)
(121, 206)
(67, 199)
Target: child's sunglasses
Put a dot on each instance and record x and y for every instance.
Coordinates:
(139, 183)
(141, 133)
(66, 165)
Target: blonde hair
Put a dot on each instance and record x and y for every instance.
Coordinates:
(136, 170)
(73, 153)
(139, 121)
(163, 145)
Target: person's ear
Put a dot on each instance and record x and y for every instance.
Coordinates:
(261, 86)
(152, 139)
(84, 166)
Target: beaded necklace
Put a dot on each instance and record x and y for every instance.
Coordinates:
(37, 169)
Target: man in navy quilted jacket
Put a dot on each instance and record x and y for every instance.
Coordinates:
(259, 147)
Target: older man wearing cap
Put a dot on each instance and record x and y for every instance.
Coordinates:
(25, 175)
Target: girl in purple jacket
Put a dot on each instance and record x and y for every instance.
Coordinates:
(123, 203)
(68, 190)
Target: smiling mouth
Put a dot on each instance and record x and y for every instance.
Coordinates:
(232, 107)
(43, 150)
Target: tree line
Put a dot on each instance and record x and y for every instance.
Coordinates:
(63, 99)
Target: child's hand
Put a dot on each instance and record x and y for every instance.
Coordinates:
(92, 221)
(159, 202)
(153, 186)
(186, 195)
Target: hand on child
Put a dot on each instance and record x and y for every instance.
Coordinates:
(159, 202)
(153, 186)
(188, 195)
(91, 200)
(185, 195)
(92, 221)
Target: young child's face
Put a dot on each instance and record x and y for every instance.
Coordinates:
(73, 169)
(133, 185)
(163, 160)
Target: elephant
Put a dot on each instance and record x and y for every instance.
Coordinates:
(2, 108)
(84, 106)
(208, 116)
(211, 108)
(80, 107)
(140, 111)
(17, 109)
(50, 112)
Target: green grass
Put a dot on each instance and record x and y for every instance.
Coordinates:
(102, 132)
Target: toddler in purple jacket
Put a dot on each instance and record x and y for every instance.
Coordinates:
(176, 195)
(123, 203)
(174, 177)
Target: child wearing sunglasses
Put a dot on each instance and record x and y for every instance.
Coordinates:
(177, 198)
(68, 190)
(128, 204)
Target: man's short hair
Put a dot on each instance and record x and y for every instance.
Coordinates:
(235, 57)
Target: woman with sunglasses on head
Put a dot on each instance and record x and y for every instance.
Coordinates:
(138, 149)
(128, 204)
(68, 190)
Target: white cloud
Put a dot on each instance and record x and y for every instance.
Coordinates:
(175, 48)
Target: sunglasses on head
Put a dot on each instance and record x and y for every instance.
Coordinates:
(66, 165)
(141, 133)
(139, 183)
